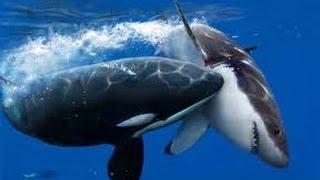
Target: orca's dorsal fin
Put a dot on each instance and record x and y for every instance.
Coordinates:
(189, 31)
(127, 160)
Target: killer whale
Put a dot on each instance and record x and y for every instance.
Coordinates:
(244, 110)
(107, 103)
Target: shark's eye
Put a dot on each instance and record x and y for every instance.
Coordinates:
(276, 131)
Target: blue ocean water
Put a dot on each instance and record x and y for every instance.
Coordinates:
(41, 36)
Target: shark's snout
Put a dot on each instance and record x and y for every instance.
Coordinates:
(270, 151)
(283, 161)
(279, 160)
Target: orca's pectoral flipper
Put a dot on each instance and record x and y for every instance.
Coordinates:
(174, 118)
(127, 160)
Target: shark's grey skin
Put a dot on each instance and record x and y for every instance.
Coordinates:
(83, 106)
(244, 110)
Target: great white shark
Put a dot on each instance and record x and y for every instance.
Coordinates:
(108, 103)
(244, 110)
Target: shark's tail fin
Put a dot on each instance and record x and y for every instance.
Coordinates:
(189, 30)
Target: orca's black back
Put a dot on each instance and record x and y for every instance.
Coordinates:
(82, 106)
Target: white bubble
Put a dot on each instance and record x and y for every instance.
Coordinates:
(45, 55)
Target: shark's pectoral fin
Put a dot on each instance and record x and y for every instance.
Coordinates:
(191, 130)
(127, 160)
(137, 120)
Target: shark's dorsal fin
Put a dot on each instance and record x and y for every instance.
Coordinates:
(189, 31)
(250, 49)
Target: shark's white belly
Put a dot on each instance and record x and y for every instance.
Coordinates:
(231, 112)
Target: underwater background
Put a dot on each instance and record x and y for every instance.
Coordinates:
(42, 36)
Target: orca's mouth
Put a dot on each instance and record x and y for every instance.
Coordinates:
(255, 138)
